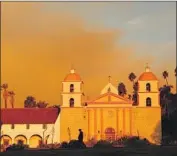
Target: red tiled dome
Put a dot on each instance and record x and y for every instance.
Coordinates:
(72, 76)
(147, 76)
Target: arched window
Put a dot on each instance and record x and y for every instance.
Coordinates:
(148, 102)
(71, 88)
(148, 87)
(71, 102)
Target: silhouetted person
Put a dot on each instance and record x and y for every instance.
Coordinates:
(80, 137)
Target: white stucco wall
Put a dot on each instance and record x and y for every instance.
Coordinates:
(113, 89)
(76, 97)
(67, 95)
(154, 86)
(20, 129)
(56, 136)
(34, 129)
(154, 99)
(66, 86)
(153, 94)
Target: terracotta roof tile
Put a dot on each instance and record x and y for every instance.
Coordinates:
(73, 77)
(147, 76)
(28, 115)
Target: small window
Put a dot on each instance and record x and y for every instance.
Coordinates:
(44, 126)
(71, 102)
(148, 87)
(27, 126)
(12, 126)
(148, 102)
(71, 88)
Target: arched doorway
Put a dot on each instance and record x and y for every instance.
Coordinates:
(20, 139)
(35, 141)
(6, 140)
(110, 133)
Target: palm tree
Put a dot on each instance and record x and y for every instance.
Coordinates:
(165, 93)
(30, 102)
(132, 77)
(122, 89)
(165, 76)
(176, 71)
(42, 104)
(129, 96)
(11, 94)
(135, 93)
(5, 93)
(135, 87)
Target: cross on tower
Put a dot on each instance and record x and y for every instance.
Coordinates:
(147, 69)
(109, 79)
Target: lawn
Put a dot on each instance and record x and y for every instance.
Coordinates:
(149, 151)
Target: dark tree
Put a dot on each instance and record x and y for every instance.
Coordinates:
(165, 99)
(132, 77)
(56, 106)
(30, 102)
(165, 76)
(5, 93)
(135, 93)
(11, 95)
(42, 104)
(122, 89)
(135, 99)
(135, 87)
(129, 97)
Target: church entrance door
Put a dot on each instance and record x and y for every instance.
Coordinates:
(110, 134)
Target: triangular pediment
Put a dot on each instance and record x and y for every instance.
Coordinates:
(110, 98)
(109, 87)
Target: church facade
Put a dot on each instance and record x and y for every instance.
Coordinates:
(109, 116)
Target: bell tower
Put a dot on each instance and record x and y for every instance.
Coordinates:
(72, 90)
(148, 92)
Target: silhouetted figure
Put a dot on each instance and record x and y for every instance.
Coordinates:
(80, 137)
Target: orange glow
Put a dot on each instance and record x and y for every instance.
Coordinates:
(38, 48)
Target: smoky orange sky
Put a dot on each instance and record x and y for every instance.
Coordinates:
(39, 47)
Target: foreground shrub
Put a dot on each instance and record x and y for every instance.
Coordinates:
(103, 144)
(54, 146)
(50, 146)
(76, 144)
(135, 141)
(16, 147)
(64, 145)
(91, 143)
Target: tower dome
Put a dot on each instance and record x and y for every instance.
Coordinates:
(147, 75)
(72, 76)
